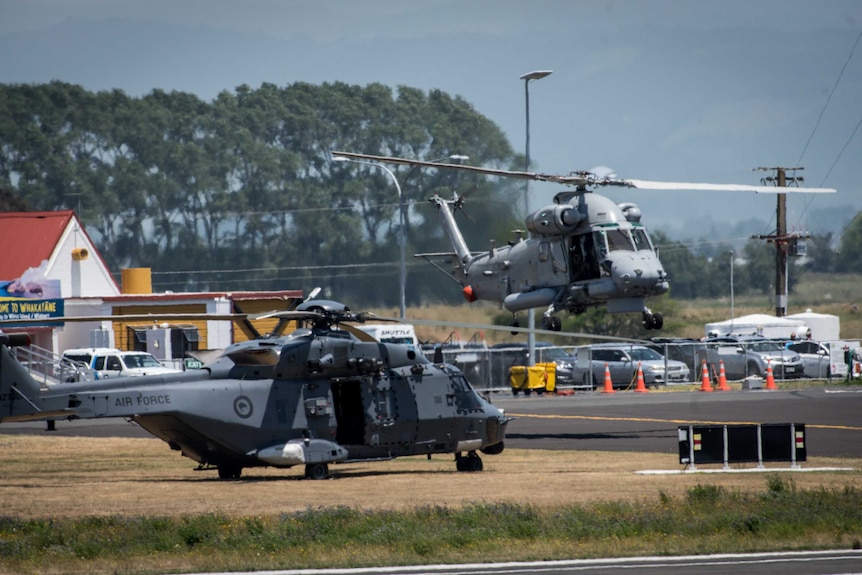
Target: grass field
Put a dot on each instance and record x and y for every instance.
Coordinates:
(110, 505)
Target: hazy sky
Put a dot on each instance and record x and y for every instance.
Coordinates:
(665, 89)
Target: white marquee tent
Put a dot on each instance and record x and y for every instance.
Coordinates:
(824, 327)
(759, 324)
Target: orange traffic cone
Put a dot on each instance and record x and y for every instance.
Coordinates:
(609, 385)
(770, 381)
(722, 377)
(705, 385)
(640, 387)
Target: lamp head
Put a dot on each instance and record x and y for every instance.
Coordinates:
(536, 74)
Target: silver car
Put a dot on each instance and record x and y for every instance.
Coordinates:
(749, 355)
(817, 360)
(622, 361)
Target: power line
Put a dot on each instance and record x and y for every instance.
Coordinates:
(277, 269)
(846, 144)
(829, 98)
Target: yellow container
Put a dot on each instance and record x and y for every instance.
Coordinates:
(550, 375)
(518, 377)
(540, 377)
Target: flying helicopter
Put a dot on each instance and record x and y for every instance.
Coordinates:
(325, 393)
(584, 250)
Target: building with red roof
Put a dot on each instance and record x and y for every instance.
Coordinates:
(56, 250)
(50, 268)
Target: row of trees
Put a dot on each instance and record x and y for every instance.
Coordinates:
(241, 193)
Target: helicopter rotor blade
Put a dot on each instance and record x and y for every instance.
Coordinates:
(602, 177)
(458, 204)
(578, 179)
(513, 329)
(652, 185)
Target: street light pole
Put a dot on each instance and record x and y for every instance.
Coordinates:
(402, 271)
(531, 318)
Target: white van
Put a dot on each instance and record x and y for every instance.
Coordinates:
(391, 332)
(104, 362)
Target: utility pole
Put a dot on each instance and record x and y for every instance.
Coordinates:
(781, 238)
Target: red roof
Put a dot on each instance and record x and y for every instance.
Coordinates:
(28, 238)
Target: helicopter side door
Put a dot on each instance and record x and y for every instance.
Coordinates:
(553, 268)
(584, 258)
(393, 421)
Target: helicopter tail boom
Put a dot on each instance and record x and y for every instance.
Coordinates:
(452, 230)
(19, 392)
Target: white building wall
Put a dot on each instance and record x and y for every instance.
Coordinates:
(86, 278)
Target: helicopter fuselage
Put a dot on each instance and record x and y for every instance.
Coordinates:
(579, 254)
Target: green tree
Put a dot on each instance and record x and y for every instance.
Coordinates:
(850, 254)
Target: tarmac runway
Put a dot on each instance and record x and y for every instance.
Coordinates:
(648, 422)
(623, 421)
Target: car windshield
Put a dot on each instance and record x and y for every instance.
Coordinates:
(553, 354)
(766, 346)
(644, 354)
(85, 359)
(141, 360)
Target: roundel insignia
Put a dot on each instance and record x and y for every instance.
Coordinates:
(243, 407)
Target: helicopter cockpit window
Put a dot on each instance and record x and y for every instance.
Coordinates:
(619, 240)
(641, 239)
(465, 398)
(600, 245)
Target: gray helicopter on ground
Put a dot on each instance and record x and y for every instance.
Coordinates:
(582, 251)
(324, 393)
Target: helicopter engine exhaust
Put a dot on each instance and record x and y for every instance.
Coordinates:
(561, 219)
(528, 300)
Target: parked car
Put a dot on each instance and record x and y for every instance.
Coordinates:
(100, 363)
(819, 361)
(622, 361)
(506, 355)
(744, 356)
(681, 349)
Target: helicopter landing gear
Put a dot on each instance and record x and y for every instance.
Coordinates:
(229, 471)
(515, 323)
(470, 464)
(551, 323)
(316, 471)
(652, 320)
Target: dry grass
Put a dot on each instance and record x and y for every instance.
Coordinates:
(45, 477)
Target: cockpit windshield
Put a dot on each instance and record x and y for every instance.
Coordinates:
(641, 238)
(619, 240)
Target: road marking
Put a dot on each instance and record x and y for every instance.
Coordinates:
(677, 421)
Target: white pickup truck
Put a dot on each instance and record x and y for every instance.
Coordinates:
(104, 362)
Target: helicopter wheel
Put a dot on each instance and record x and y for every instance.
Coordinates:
(316, 471)
(229, 471)
(515, 323)
(552, 323)
(652, 321)
(470, 464)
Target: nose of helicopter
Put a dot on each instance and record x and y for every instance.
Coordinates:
(637, 274)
